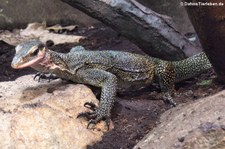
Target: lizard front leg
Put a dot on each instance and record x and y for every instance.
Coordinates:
(108, 83)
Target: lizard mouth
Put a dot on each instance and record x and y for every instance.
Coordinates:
(29, 63)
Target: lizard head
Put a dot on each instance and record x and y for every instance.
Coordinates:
(28, 54)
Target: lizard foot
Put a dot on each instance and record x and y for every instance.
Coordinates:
(95, 116)
(44, 76)
(170, 102)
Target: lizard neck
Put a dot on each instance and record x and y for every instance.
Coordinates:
(191, 66)
(51, 61)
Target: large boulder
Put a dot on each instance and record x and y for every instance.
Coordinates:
(199, 125)
(44, 115)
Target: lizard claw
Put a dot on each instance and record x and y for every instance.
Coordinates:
(87, 115)
(94, 117)
(44, 76)
(38, 75)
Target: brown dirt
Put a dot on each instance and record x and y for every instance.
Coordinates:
(134, 113)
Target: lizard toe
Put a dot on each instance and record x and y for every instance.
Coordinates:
(38, 75)
(87, 115)
(92, 123)
(96, 120)
(90, 105)
(95, 117)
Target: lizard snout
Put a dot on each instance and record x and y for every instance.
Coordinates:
(15, 63)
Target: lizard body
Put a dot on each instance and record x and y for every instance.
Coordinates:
(108, 70)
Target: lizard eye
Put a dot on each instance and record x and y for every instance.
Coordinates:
(35, 52)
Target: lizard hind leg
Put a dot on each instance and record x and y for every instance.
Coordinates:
(166, 78)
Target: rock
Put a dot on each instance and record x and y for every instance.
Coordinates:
(16, 14)
(199, 125)
(44, 115)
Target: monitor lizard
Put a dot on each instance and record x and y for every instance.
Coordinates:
(108, 70)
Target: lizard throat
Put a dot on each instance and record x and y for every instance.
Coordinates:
(42, 64)
(46, 64)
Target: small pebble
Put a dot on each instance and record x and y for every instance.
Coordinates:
(181, 139)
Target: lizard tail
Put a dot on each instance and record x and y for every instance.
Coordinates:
(191, 66)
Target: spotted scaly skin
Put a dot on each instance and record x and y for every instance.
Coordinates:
(108, 70)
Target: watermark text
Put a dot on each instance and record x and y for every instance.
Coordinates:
(201, 4)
